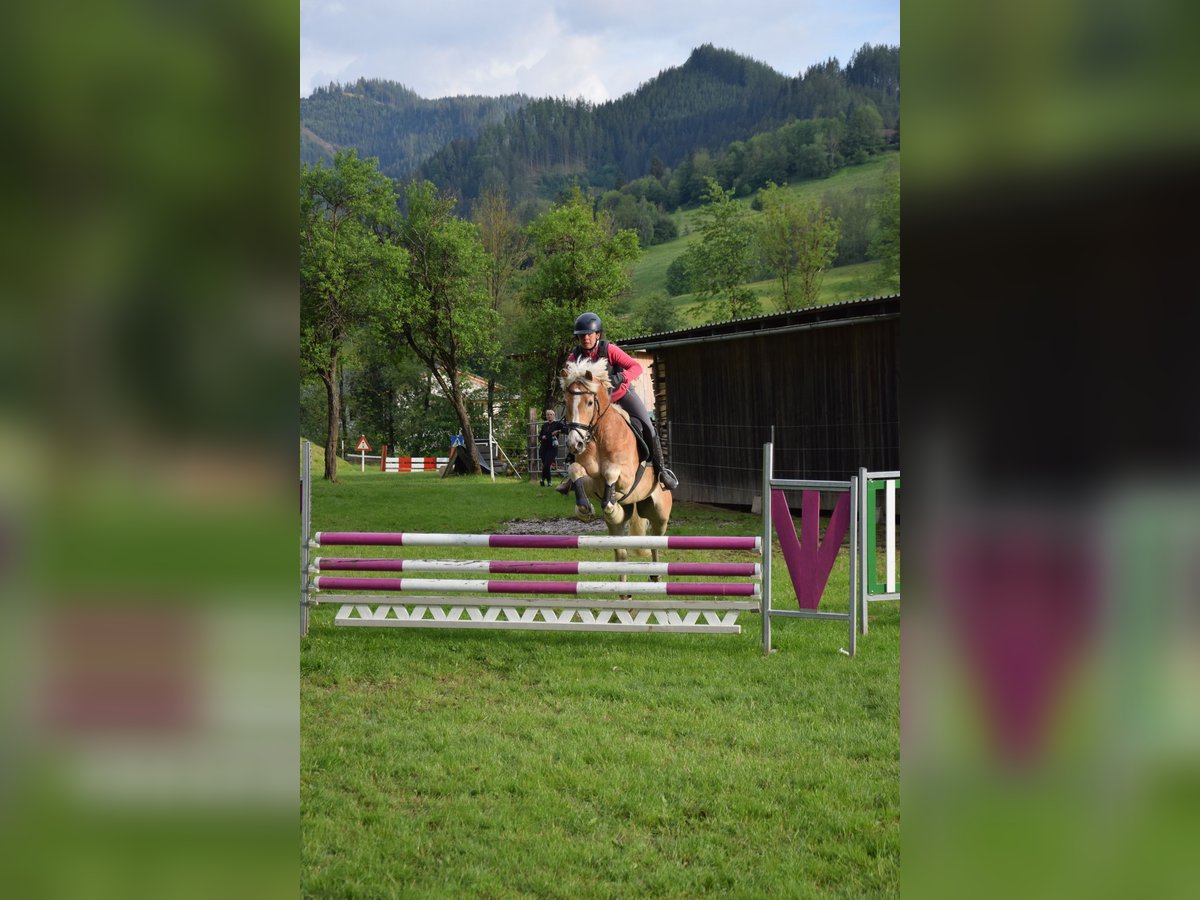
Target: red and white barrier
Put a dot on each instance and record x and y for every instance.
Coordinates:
(411, 463)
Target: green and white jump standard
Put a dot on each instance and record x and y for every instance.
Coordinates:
(871, 587)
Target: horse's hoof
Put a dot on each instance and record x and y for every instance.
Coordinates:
(585, 512)
(564, 486)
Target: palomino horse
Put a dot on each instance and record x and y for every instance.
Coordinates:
(606, 458)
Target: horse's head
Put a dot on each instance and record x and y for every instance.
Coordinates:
(585, 387)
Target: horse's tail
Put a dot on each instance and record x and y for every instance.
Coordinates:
(637, 528)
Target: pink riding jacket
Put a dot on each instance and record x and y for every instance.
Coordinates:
(618, 360)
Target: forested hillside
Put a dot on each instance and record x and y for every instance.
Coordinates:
(392, 123)
(707, 108)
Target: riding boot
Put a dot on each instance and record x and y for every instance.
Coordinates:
(665, 475)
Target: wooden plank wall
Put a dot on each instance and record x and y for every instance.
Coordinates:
(833, 395)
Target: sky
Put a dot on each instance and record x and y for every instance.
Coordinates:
(595, 49)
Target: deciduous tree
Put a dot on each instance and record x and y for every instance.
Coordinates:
(719, 263)
(506, 246)
(443, 311)
(797, 240)
(581, 263)
(345, 268)
(886, 245)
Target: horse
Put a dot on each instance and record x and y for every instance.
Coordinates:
(606, 463)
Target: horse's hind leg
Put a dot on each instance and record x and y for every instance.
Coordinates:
(655, 510)
(637, 526)
(616, 526)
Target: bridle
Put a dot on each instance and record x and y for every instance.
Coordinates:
(589, 430)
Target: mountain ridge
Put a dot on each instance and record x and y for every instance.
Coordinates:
(532, 147)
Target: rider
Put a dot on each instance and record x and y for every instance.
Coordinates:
(623, 370)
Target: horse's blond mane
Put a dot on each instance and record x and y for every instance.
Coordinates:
(581, 368)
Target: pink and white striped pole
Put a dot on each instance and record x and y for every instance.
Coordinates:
(532, 567)
(533, 541)
(570, 588)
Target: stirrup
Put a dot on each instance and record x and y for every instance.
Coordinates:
(668, 479)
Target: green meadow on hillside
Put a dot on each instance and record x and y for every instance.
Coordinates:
(841, 283)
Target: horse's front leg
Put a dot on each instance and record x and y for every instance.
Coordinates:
(609, 503)
(578, 479)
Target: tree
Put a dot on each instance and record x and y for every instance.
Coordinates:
(392, 398)
(816, 248)
(443, 311)
(658, 315)
(855, 210)
(886, 245)
(581, 263)
(345, 268)
(864, 133)
(719, 263)
(679, 279)
(506, 247)
(796, 238)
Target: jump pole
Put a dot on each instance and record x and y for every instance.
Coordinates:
(525, 567)
(305, 524)
(533, 541)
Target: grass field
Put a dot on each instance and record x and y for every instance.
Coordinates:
(504, 764)
(842, 283)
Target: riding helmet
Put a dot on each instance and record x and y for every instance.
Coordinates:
(587, 323)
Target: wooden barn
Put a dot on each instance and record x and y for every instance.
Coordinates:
(826, 379)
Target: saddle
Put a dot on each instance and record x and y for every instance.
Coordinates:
(643, 448)
(635, 425)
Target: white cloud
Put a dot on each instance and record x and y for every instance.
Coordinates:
(598, 49)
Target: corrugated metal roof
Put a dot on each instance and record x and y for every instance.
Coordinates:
(767, 322)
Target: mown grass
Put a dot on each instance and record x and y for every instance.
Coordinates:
(842, 283)
(459, 763)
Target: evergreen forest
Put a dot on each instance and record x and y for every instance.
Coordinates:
(719, 114)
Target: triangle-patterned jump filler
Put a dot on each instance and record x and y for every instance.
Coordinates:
(809, 561)
(599, 617)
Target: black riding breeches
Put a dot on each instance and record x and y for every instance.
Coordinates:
(633, 405)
